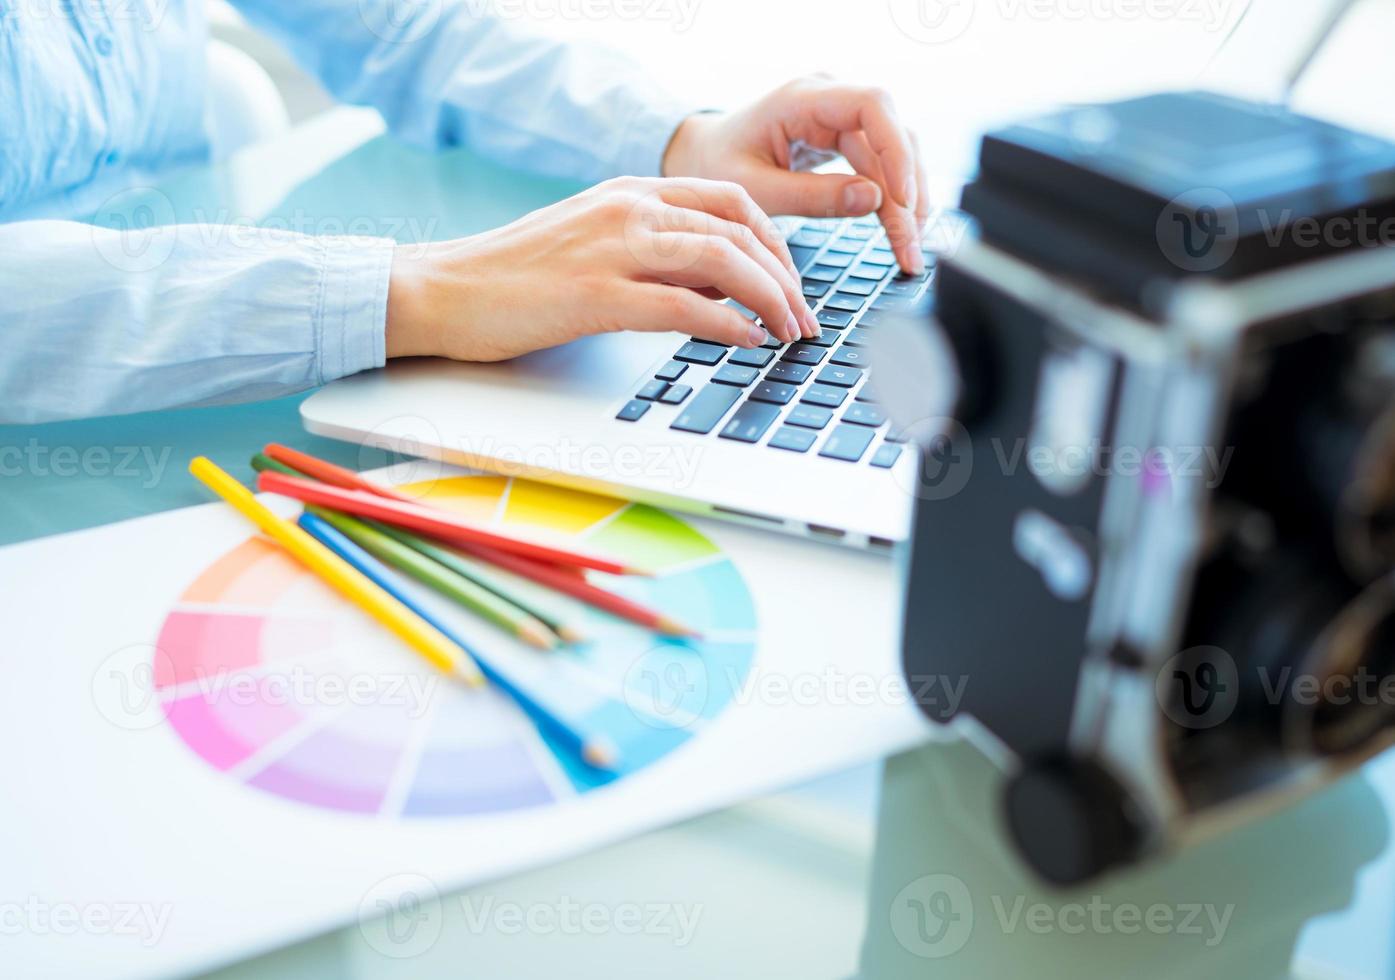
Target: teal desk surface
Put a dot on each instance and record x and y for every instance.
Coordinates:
(823, 880)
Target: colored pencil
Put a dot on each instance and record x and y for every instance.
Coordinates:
(580, 588)
(327, 472)
(282, 459)
(564, 578)
(449, 583)
(477, 572)
(598, 751)
(439, 649)
(431, 521)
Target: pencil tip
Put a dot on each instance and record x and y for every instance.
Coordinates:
(538, 635)
(571, 635)
(672, 627)
(601, 753)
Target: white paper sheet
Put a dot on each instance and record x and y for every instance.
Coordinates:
(125, 854)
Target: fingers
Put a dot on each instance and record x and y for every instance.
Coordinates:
(902, 226)
(816, 195)
(922, 182)
(870, 111)
(653, 307)
(741, 236)
(724, 199)
(717, 263)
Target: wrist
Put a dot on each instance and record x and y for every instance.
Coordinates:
(683, 156)
(410, 329)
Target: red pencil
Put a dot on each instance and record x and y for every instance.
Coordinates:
(577, 586)
(327, 472)
(430, 520)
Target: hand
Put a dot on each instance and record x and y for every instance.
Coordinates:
(629, 254)
(752, 147)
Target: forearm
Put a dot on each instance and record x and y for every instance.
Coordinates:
(446, 75)
(100, 322)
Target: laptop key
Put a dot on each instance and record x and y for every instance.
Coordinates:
(858, 337)
(633, 411)
(804, 354)
(700, 352)
(874, 318)
(808, 238)
(827, 338)
(846, 302)
(840, 377)
(847, 245)
(880, 256)
(858, 287)
(847, 442)
(825, 396)
(809, 416)
(759, 357)
(771, 343)
(823, 273)
(795, 440)
(814, 290)
(862, 413)
(839, 260)
(735, 374)
(846, 356)
(671, 371)
(886, 455)
(773, 392)
(868, 271)
(652, 390)
(836, 319)
(750, 421)
(706, 410)
(676, 394)
(802, 255)
(790, 373)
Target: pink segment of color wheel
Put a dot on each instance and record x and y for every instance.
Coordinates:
(269, 678)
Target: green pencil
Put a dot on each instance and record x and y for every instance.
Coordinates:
(476, 572)
(477, 599)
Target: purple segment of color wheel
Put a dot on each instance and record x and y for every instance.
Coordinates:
(475, 779)
(331, 769)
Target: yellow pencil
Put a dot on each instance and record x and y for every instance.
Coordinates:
(430, 642)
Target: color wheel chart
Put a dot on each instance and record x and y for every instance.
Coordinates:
(277, 682)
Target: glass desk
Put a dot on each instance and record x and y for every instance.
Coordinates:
(892, 870)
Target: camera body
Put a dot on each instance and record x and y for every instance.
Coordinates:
(1155, 537)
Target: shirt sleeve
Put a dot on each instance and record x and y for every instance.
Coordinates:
(105, 322)
(446, 73)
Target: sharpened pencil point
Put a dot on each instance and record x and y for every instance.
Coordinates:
(571, 635)
(672, 627)
(602, 754)
(538, 635)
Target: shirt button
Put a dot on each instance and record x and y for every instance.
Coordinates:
(104, 44)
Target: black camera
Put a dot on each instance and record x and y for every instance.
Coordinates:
(1155, 535)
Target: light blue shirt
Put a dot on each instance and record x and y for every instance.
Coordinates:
(101, 95)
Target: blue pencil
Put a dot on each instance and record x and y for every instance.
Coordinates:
(598, 752)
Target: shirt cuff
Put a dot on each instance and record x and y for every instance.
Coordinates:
(647, 138)
(351, 310)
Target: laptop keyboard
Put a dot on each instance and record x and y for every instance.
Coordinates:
(812, 396)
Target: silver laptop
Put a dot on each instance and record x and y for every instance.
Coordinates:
(789, 437)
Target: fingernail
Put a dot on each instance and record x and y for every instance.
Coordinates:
(791, 328)
(908, 193)
(861, 197)
(810, 321)
(755, 336)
